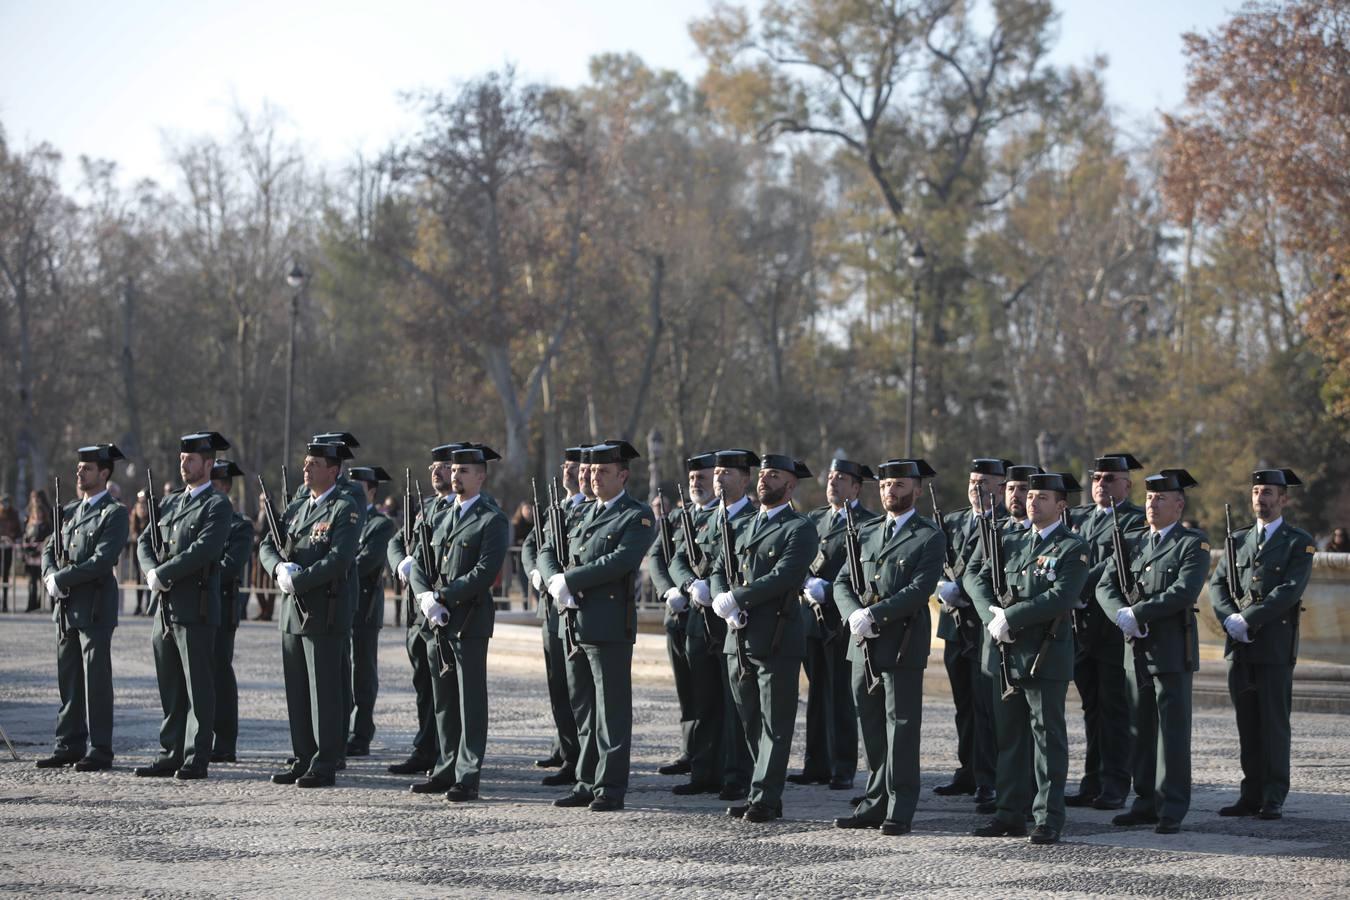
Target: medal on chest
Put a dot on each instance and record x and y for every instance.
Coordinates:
(319, 533)
(1045, 567)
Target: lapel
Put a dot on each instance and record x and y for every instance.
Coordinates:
(834, 522)
(893, 538)
(465, 518)
(309, 512)
(765, 530)
(186, 504)
(1278, 539)
(93, 512)
(1163, 546)
(600, 514)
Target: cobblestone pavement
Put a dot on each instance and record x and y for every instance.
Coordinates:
(237, 835)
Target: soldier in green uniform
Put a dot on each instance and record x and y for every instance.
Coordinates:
(699, 473)
(719, 759)
(1274, 560)
(755, 592)
(576, 484)
(194, 530)
(373, 548)
(82, 582)
(1099, 668)
(311, 562)
(901, 557)
(1168, 564)
(831, 720)
(426, 747)
(238, 549)
(963, 637)
(1045, 567)
(593, 580)
(458, 613)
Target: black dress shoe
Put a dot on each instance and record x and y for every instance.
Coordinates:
(89, 764)
(985, 794)
(550, 762)
(286, 778)
(756, 813)
(1000, 829)
(1079, 799)
(1044, 834)
(356, 749)
(341, 764)
(190, 773)
(1108, 801)
(1167, 826)
(156, 771)
(854, 822)
(313, 781)
(678, 767)
(737, 812)
(1270, 812)
(803, 778)
(954, 789)
(1239, 809)
(458, 793)
(854, 801)
(431, 786)
(987, 809)
(1134, 818)
(840, 783)
(892, 828)
(606, 804)
(57, 762)
(694, 787)
(574, 800)
(411, 766)
(561, 777)
(733, 793)
(222, 757)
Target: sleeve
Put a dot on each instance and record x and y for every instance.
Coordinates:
(1288, 593)
(1221, 601)
(978, 585)
(1107, 591)
(343, 538)
(923, 581)
(112, 538)
(1063, 592)
(206, 548)
(145, 552)
(626, 556)
(238, 548)
(788, 572)
(657, 567)
(371, 555)
(1181, 593)
(476, 582)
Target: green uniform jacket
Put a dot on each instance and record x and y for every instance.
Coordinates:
(658, 569)
(469, 556)
(830, 556)
(398, 549)
(195, 532)
(771, 564)
(233, 564)
(963, 537)
(323, 541)
(704, 627)
(1170, 579)
(573, 512)
(1274, 580)
(1097, 633)
(901, 573)
(607, 546)
(93, 543)
(1046, 581)
(370, 563)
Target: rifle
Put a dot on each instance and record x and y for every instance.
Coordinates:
(730, 569)
(698, 560)
(949, 563)
(992, 544)
(285, 485)
(422, 545)
(665, 537)
(858, 581)
(59, 551)
(1230, 554)
(827, 630)
(274, 530)
(157, 601)
(558, 538)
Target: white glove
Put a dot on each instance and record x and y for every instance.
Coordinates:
(50, 582)
(1126, 622)
(699, 593)
(153, 582)
(949, 594)
(537, 581)
(557, 586)
(999, 629)
(1236, 626)
(1080, 603)
(861, 623)
(814, 589)
(404, 568)
(737, 620)
(724, 604)
(283, 574)
(429, 601)
(676, 601)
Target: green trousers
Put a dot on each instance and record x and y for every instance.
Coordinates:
(185, 668)
(1263, 730)
(460, 701)
(312, 668)
(1037, 711)
(365, 656)
(678, 654)
(831, 719)
(425, 745)
(766, 701)
(84, 679)
(890, 720)
(1160, 718)
(226, 729)
(600, 684)
(565, 742)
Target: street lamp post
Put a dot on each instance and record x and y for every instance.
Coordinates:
(656, 451)
(296, 279)
(917, 260)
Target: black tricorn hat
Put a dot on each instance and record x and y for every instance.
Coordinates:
(609, 452)
(329, 450)
(368, 474)
(469, 452)
(99, 453)
(1116, 462)
(1282, 477)
(1070, 483)
(1060, 482)
(573, 454)
(736, 458)
(907, 468)
(700, 462)
(848, 467)
(225, 469)
(800, 469)
(442, 453)
(336, 437)
(990, 466)
(1170, 480)
(780, 461)
(202, 442)
(1023, 473)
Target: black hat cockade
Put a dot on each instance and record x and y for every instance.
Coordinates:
(700, 462)
(736, 458)
(1278, 477)
(609, 452)
(104, 453)
(906, 468)
(1116, 462)
(202, 442)
(848, 467)
(1169, 480)
(368, 474)
(225, 469)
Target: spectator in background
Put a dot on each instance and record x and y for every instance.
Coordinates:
(35, 533)
(11, 533)
(1339, 543)
(521, 523)
(115, 491)
(140, 517)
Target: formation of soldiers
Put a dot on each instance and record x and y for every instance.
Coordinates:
(1031, 594)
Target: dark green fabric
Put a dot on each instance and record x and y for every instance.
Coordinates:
(226, 729)
(766, 702)
(771, 565)
(195, 532)
(890, 719)
(94, 541)
(84, 722)
(1032, 734)
(185, 662)
(599, 681)
(461, 709)
(312, 669)
(470, 551)
(323, 541)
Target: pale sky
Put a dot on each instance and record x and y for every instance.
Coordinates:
(113, 79)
